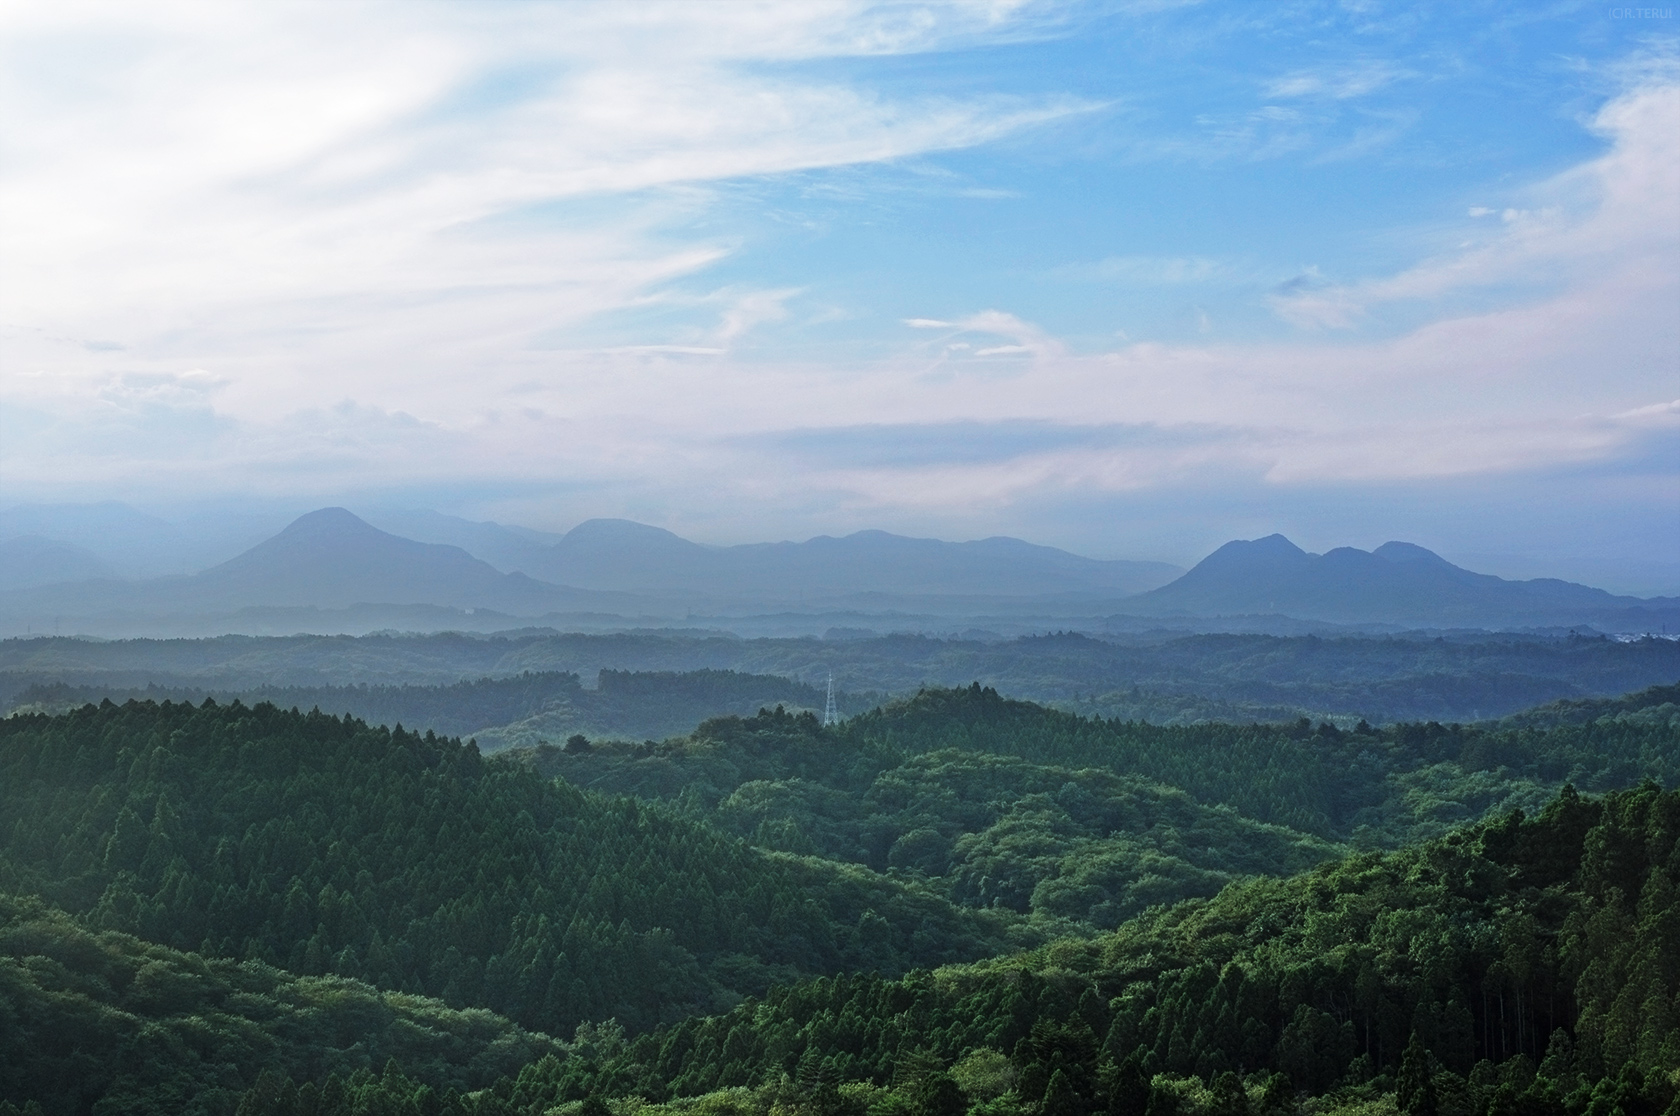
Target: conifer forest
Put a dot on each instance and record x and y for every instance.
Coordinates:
(955, 902)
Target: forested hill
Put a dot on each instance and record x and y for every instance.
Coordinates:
(1655, 705)
(1525, 966)
(105, 1019)
(322, 845)
(1007, 804)
(202, 892)
(1316, 778)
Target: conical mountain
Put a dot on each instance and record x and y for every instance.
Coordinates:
(332, 559)
(327, 559)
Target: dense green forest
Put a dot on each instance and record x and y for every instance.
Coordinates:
(1659, 703)
(1524, 966)
(1007, 805)
(525, 709)
(1162, 677)
(953, 903)
(1521, 966)
(322, 845)
(88, 1015)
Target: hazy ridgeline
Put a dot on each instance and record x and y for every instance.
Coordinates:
(331, 571)
(527, 709)
(1163, 678)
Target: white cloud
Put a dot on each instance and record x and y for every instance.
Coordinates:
(233, 218)
(753, 309)
(321, 198)
(1610, 223)
(1337, 83)
(1654, 415)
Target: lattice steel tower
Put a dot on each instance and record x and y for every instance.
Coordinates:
(831, 715)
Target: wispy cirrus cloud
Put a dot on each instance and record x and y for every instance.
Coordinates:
(963, 336)
(1340, 83)
(305, 188)
(1610, 221)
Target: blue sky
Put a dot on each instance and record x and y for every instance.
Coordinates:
(1131, 279)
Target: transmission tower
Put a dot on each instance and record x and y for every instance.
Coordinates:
(831, 715)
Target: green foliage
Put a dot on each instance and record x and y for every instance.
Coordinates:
(140, 1028)
(1079, 822)
(1320, 780)
(1064, 845)
(1657, 705)
(304, 882)
(325, 846)
(1408, 970)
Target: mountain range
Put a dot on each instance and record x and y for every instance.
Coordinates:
(328, 559)
(1397, 583)
(617, 554)
(333, 560)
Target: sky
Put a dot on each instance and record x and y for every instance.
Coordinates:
(1128, 278)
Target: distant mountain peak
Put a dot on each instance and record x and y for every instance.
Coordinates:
(1410, 552)
(619, 530)
(328, 521)
(1268, 552)
(1398, 583)
(1276, 542)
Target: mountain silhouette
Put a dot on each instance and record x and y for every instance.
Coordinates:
(326, 559)
(332, 559)
(29, 560)
(1397, 583)
(618, 554)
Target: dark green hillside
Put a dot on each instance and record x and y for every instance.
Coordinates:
(1270, 773)
(86, 1017)
(238, 842)
(988, 830)
(1318, 779)
(1659, 704)
(1006, 804)
(1525, 966)
(324, 846)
